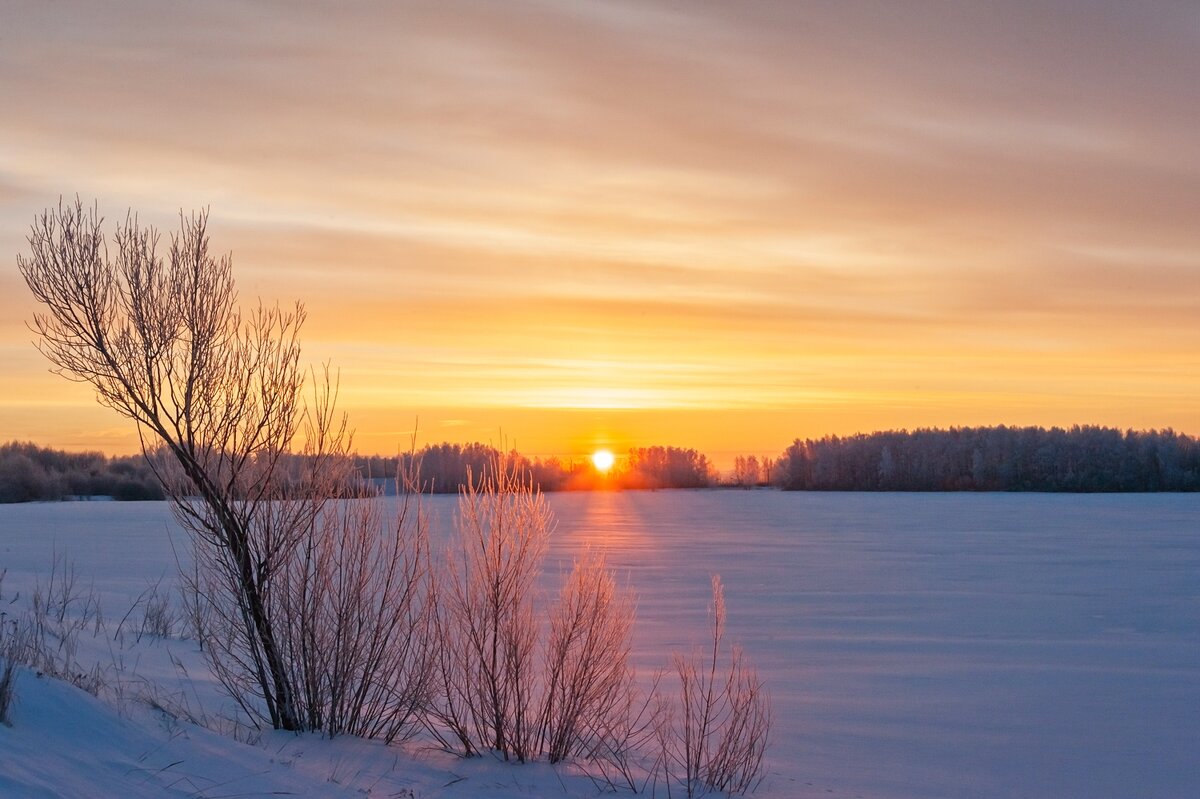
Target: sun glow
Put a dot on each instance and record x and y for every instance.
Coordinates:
(603, 460)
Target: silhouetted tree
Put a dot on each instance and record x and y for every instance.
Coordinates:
(995, 459)
(665, 467)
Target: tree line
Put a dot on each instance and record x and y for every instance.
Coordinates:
(449, 468)
(1081, 459)
(29, 473)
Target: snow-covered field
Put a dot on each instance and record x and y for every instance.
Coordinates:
(964, 645)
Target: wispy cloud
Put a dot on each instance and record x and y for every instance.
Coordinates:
(984, 211)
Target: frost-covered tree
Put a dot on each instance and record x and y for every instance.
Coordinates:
(217, 396)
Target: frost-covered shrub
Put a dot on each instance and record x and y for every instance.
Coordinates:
(502, 683)
(714, 732)
(486, 628)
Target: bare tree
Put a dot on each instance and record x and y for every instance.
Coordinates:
(163, 343)
(217, 397)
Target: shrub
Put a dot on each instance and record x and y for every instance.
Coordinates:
(500, 683)
(714, 735)
(354, 605)
(587, 675)
(484, 621)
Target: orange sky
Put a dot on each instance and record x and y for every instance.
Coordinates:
(711, 225)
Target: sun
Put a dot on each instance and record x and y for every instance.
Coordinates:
(603, 460)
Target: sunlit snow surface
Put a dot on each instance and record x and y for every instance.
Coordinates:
(915, 645)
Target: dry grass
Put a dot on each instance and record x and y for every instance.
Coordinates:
(11, 655)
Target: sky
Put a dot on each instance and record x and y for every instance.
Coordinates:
(716, 225)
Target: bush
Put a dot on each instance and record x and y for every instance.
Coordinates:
(356, 620)
(492, 690)
(587, 675)
(485, 624)
(715, 733)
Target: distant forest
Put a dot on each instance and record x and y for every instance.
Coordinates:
(443, 468)
(29, 473)
(1082, 459)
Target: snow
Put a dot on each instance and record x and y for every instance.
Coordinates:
(915, 645)
(64, 742)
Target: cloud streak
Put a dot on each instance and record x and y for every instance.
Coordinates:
(960, 209)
